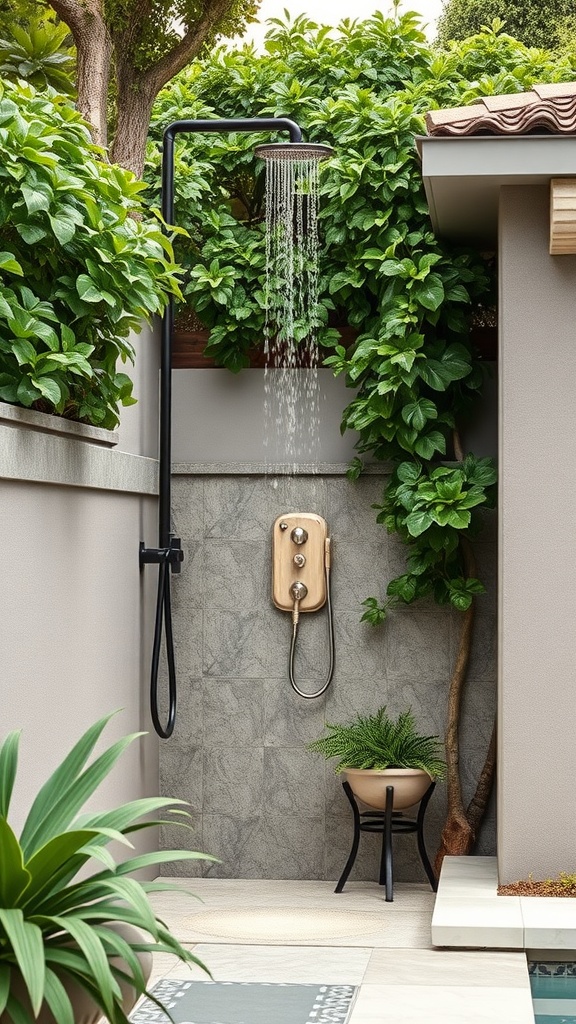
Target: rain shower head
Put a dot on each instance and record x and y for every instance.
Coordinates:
(293, 151)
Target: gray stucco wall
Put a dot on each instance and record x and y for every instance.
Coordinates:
(537, 797)
(261, 802)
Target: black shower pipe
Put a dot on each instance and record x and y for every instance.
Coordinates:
(169, 555)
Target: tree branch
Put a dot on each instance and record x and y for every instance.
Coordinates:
(457, 445)
(74, 13)
(70, 12)
(158, 74)
(127, 39)
(457, 835)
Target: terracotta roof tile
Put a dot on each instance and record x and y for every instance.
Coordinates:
(546, 108)
(518, 99)
(453, 115)
(551, 89)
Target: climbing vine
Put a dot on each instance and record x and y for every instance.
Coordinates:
(409, 296)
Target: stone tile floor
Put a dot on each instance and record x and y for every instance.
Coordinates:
(402, 979)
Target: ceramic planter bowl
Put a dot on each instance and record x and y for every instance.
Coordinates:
(369, 785)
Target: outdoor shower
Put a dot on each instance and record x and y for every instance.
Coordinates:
(169, 555)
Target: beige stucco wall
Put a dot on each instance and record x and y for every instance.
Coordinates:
(76, 612)
(138, 430)
(537, 662)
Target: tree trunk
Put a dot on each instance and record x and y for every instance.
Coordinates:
(134, 108)
(461, 825)
(93, 76)
(477, 806)
(94, 55)
(457, 836)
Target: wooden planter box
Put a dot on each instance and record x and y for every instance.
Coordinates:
(188, 347)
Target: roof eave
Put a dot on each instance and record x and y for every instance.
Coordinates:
(463, 176)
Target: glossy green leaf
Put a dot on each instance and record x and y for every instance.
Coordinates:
(409, 472)
(49, 388)
(417, 522)
(9, 264)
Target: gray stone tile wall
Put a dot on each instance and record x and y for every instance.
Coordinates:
(261, 802)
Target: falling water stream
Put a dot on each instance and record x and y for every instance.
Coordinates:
(291, 394)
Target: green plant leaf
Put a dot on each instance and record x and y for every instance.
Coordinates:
(49, 388)
(428, 444)
(375, 613)
(51, 862)
(27, 944)
(14, 877)
(417, 522)
(430, 292)
(4, 985)
(405, 587)
(10, 264)
(378, 741)
(64, 809)
(57, 998)
(409, 472)
(121, 817)
(59, 781)
(8, 766)
(116, 944)
(91, 947)
(18, 1015)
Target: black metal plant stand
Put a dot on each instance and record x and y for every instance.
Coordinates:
(388, 822)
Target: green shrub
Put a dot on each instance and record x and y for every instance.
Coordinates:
(363, 88)
(40, 54)
(78, 273)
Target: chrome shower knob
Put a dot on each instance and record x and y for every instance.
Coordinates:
(298, 590)
(299, 535)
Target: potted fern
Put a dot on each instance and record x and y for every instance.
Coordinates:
(73, 949)
(376, 751)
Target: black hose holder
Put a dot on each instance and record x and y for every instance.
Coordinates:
(173, 555)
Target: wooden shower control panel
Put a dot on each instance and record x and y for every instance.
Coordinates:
(286, 571)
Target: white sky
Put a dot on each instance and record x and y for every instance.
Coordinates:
(330, 12)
